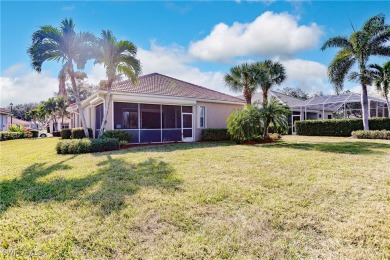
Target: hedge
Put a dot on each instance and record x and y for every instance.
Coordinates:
(4, 136)
(338, 127)
(66, 133)
(121, 135)
(56, 133)
(372, 134)
(78, 133)
(215, 134)
(87, 145)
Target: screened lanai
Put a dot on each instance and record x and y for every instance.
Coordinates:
(341, 106)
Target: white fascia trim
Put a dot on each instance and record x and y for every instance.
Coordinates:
(177, 100)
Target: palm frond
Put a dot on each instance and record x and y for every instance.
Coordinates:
(338, 42)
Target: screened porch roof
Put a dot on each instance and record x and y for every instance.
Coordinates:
(333, 102)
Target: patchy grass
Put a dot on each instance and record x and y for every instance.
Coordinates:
(303, 197)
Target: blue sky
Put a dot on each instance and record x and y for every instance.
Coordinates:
(194, 41)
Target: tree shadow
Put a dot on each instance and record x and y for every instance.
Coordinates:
(108, 187)
(336, 147)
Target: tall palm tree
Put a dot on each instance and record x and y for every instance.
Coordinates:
(371, 40)
(66, 46)
(382, 80)
(275, 114)
(118, 57)
(241, 78)
(61, 83)
(269, 73)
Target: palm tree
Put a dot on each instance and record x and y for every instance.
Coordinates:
(371, 40)
(242, 78)
(382, 80)
(62, 105)
(118, 57)
(269, 73)
(275, 114)
(50, 107)
(65, 46)
(61, 83)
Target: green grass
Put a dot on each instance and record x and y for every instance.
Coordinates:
(303, 197)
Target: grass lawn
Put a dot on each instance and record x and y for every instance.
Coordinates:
(304, 197)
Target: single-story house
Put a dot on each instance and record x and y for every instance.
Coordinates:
(326, 107)
(61, 124)
(159, 108)
(20, 122)
(4, 115)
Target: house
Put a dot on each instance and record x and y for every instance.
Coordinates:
(19, 122)
(326, 107)
(59, 125)
(4, 115)
(159, 108)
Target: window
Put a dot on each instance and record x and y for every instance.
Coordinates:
(99, 115)
(329, 116)
(202, 117)
(65, 126)
(171, 117)
(125, 115)
(150, 116)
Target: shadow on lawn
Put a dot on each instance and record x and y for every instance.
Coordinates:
(114, 180)
(338, 147)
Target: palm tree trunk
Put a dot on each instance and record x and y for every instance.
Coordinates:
(247, 96)
(265, 97)
(388, 106)
(365, 113)
(78, 102)
(107, 102)
(265, 133)
(54, 123)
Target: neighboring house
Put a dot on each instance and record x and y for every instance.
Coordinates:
(159, 109)
(67, 123)
(325, 107)
(20, 122)
(4, 115)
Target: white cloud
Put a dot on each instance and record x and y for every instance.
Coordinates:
(268, 35)
(308, 75)
(31, 87)
(174, 62)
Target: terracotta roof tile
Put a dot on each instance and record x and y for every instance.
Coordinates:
(157, 84)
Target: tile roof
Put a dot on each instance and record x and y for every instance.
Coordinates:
(157, 84)
(286, 99)
(4, 111)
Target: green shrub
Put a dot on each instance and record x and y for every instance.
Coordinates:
(4, 136)
(17, 129)
(87, 145)
(372, 134)
(78, 133)
(338, 127)
(34, 133)
(56, 134)
(66, 133)
(121, 135)
(215, 134)
(245, 125)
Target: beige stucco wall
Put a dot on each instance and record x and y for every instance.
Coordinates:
(216, 115)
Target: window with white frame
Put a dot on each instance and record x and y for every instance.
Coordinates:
(202, 116)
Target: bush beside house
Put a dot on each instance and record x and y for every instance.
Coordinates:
(338, 127)
(78, 133)
(215, 134)
(121, 135)
(78, 146)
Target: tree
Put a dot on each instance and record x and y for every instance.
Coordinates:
(242, 78)
(269, 73)
(66, 46)
(371, 40)
(20, 111)
(382, 80)
(295, 92)
(39, 116)
(50, 107)
(275, 114)
(118, 57)
(62, 105)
